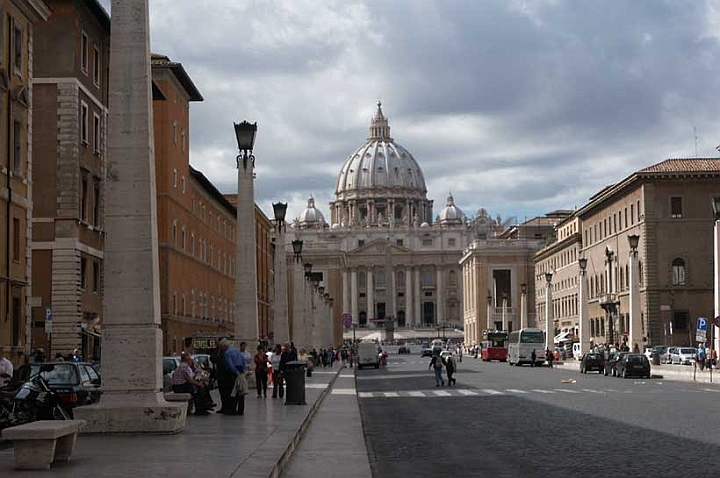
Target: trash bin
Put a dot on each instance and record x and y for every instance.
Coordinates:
(655, 356)
(294, 375)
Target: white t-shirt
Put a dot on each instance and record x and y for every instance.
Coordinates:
(6, 366)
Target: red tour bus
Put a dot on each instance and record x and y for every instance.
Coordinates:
(494, 345)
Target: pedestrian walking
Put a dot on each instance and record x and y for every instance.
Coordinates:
(225, 378)
(533, 358)
(450, 367)
(437, 366)
(6, 369)
(549, 357)
(238, 366)
(276, 374)
(261, 369)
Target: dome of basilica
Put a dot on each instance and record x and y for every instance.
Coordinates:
(451, 215)
(311, 217)
(380, 168)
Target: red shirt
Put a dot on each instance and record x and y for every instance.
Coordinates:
(261, 362)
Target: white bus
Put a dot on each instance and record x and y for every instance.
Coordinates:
(522, 342)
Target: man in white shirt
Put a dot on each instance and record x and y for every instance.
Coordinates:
(6, 369)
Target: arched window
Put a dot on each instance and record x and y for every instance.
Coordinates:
(401, 279)
(678, 272)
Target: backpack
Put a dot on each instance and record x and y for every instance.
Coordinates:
(438, 362)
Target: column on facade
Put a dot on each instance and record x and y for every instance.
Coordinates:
(409, 317)
(392, 294)
(391, 212)
(370, 293)
(583, 313)
(549, 316)
(523, 310)
(489, 314)
(346, 291)
(504, 315)
(354, 295)
(417, 294)
(440, 287)
(408, 214)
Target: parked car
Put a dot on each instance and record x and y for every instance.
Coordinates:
(683, 355)
(403, 350)
(633, 365)
(611, 362)
(577, 354)
(666, 357)
(169, 366)
(592, 361)
(427, 351)
(660, 349)
(76, 383)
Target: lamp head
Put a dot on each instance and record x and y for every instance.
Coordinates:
(523, 288)
(279, 209)
(582, 262)
(633, 240)
(297, 245)
(548, 276)
(245, 135)
(716, 207)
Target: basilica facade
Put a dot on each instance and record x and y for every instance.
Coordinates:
(382, 255)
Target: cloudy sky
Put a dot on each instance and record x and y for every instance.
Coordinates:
(520, 107)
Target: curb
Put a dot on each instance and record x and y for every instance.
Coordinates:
(279, 466)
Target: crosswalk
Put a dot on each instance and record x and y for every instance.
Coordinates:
(489, 392)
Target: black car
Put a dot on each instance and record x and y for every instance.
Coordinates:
(611, 361)
(633, 365)
(76, 383)
(592, 362)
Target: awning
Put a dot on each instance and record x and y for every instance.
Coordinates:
(562, 337)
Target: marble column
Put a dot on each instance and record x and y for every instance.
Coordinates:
(504, 315)
(393, 294)
(370, 293)
(583, 320)
(490, 325)
(281, 329)
(132, 399)
(354, 295)
(440, 289)
(523, 311)
(299, 327)
(346, 291)
(417, 295)
(549, 317)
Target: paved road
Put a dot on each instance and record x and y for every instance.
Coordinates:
(524, 422)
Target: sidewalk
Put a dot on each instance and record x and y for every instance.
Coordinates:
(335, 441)
(258, 444)
(667, 372)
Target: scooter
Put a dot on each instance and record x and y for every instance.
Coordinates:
(33, 401)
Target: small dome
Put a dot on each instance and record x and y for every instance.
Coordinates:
(311, 217)
(335, 226)
(451, 215)
(424, 225)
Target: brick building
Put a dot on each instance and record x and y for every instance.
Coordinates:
(71, 96)
(19, 24)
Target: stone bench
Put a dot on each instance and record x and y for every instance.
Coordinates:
(38, 444)
(180, 397)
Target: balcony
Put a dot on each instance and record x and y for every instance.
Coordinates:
(609, 302)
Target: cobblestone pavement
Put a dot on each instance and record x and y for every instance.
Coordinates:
(526, 422)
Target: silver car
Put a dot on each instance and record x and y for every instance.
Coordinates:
(683, 355)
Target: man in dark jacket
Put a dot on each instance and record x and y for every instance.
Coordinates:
(225, 378)
(450, 369)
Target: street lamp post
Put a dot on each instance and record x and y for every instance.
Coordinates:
(504, 315)
(246, 307)
(331, 321)
(609, 301)
(523, 306)
(635, 332)
(281, 329)
(549, 313)
(303, 335)
(716, 249)
(582, 308)
(297, 246)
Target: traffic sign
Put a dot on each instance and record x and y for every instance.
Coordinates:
(716, 321)
(48, 321)
(346, 320)
(701, 332)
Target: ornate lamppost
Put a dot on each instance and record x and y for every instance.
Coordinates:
(635, 332)
(246, 309)
(281, 330)
(582, 307)
(549, 312)
(523, 306)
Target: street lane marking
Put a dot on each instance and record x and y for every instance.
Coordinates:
(391, 394)
(514, 390)
(490, 391)
(385, 377)
(541, 391)
(365, 394)
(467, 392)
(416, 394)
(711, 390)
(343, 391)
(592, 391)
(442, 393)
(316, 385)
(611, 390)
(566, 390)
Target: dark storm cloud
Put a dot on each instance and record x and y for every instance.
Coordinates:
(518, 106)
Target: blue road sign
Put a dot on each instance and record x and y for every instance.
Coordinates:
(702, 323)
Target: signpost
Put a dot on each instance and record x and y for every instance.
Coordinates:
(701, 330)
(346, 320)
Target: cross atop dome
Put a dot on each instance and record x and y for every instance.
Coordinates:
(379, 128)
(450, 200)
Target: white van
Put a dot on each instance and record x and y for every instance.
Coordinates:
(367, 355)
(576, 351)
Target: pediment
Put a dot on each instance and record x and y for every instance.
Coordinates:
(379, 246)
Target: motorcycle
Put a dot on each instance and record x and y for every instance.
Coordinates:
(33, 401)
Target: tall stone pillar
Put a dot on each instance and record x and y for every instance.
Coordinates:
(354, 295)
(523, 310)
(583, 313)
(281, 330)
(392, 294)
(635, 332)
(132, 399)
(504, 315)
(440, 313)
(370, 293)
(346, 292)
(409, 312)
(417, 295)
(246, 312)
(549, 316)
(298, 288)
(490, 325)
